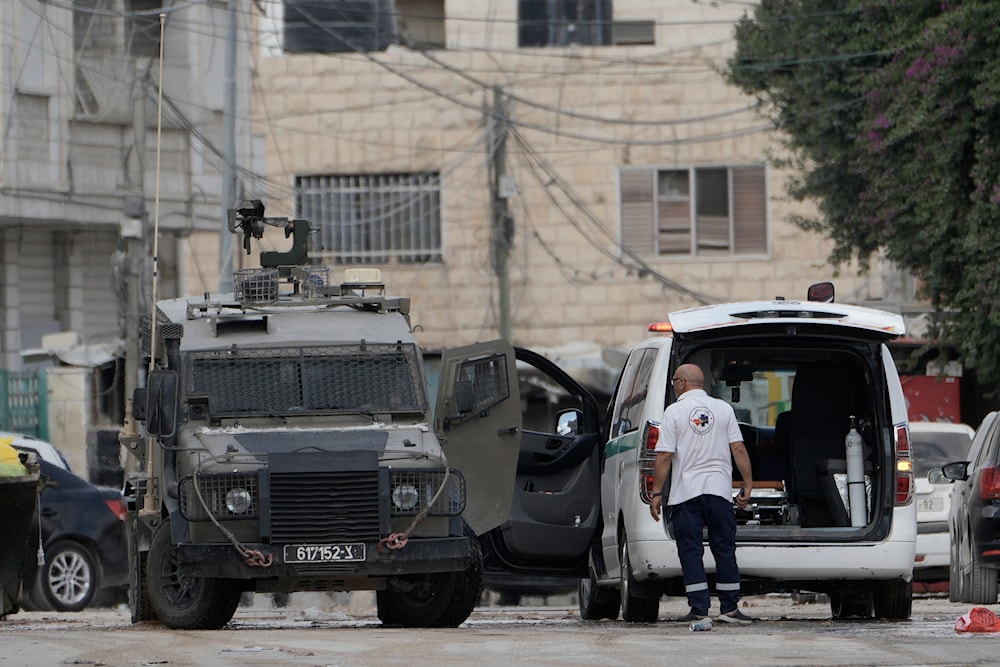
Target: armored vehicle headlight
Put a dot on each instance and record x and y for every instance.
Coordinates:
(239, 501)
(405, 496)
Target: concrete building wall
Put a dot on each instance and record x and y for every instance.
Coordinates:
(581, 114)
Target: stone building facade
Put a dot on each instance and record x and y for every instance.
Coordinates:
(635, 180)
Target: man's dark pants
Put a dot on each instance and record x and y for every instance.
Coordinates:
(689, 518)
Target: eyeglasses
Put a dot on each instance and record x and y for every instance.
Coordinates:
(673, 380)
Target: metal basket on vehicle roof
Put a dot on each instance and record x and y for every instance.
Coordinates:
(256, 286)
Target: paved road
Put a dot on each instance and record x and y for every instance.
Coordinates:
(320, 630)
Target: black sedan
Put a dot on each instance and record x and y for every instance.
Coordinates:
(974, 520)
(82, 546)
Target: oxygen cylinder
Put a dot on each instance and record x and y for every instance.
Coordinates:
(856, 475)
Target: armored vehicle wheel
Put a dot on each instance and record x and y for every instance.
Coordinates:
(438, 600)
(138, 587)
(185, 603)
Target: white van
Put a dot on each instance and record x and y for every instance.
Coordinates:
(797, 374)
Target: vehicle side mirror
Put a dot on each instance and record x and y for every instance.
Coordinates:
(568, 422)
(958, 470)
(161, 403)
(465, 397)
(936, 476)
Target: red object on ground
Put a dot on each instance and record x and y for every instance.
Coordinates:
(979, 619)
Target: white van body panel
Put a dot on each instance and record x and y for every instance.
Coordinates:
(652, 551)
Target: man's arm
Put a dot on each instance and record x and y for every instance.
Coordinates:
(660, 472)
(742, 460)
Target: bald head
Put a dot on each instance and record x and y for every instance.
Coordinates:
(687, 377)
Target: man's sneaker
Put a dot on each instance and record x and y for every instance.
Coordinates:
(691, 617)
(735, 616)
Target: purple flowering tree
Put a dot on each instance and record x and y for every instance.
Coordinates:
(890, 117)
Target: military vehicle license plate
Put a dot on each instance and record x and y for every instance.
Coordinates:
(323, 553)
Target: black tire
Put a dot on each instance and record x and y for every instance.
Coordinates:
(138, 587)
(181, 602)
(954, 574)
(982, 584)
(893, 599)
(635, 608)
(437, 600)
(597, 602)
(68, 580)
(850, 605)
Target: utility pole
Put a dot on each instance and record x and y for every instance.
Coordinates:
(229, 154)
(502, 237)
(133, 231)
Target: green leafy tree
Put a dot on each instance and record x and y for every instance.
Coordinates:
(890, 113)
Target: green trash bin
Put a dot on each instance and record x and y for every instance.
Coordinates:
(18, 503)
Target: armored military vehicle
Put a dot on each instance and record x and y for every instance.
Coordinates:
(284, 441)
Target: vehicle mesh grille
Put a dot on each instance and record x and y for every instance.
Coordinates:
(323, 379)
(324, 507)
(213, 490)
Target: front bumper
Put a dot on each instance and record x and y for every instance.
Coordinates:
(418, 556)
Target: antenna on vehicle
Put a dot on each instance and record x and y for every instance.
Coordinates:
(150, 499)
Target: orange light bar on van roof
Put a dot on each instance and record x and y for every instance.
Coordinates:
(661, 327)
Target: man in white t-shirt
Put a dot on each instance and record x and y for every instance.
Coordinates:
(699, 440)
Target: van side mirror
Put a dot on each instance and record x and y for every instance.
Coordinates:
(161, 403)
(568, 422)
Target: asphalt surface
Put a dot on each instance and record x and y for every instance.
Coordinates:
(343, 630)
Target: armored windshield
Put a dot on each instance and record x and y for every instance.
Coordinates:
(244, 381)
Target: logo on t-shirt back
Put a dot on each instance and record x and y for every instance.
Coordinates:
(701, 420)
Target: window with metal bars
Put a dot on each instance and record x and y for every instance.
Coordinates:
(564, 22)
(374, 218)
(702, 211)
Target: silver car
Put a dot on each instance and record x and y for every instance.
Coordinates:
(934, 444)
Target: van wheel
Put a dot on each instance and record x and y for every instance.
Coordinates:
(850, 604)
(596, 602)
(893, 599)
(982, 584)
(635, 609)
(182, 602)
(436, 600)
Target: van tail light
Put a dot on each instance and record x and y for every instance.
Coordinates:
(904, 467)
(647, 460)
(117, 507)
(989, 483)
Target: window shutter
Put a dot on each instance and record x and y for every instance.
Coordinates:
(749, 210)
(712, 214)
(637, 212)
(674, 212)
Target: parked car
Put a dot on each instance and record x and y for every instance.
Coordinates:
(935, 444)
(796, 373)
(45, 451)
(974, 519)
(82, 546)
